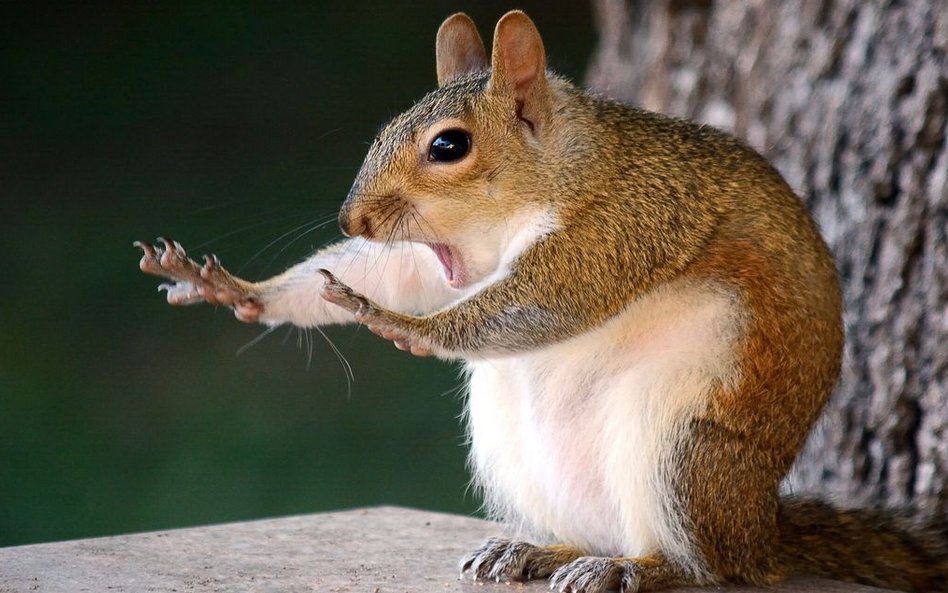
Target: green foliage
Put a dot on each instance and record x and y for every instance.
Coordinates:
(234, 128)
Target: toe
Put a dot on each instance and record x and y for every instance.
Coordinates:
(587, 575)
(483, 559)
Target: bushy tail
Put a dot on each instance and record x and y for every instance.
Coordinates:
(872, 547)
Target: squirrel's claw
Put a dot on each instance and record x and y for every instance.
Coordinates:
(149, 253)
(338, 293)
(170, 262)
(150, 262)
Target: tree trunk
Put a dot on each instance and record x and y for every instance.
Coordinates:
(848, 99)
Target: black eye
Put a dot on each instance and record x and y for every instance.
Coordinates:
(450, 145)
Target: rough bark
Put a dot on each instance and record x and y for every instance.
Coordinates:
(848, 99)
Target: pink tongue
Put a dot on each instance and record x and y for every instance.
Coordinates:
(444, 256)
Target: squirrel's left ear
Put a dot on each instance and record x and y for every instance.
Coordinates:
(518, 67)
(459, 48)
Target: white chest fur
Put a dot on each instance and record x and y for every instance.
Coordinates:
(567, 441)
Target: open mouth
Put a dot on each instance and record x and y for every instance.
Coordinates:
(449, 263)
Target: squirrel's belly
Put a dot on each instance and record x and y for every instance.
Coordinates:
(571, 442)
(544, 478)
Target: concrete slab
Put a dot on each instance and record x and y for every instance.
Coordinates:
(375, 550)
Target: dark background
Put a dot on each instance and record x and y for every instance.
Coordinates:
(232, 127)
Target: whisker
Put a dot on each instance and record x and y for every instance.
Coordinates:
(388, 246)
(221, 205)
(425, 295)
(497, 170)
(454, 391)
(295, 239)
(434, 232)
(256, 340)
(286, 336)
(327, 133)
(346, 367)
(257, 223)
(309, 349)
(353, 258)
(372, 195)
(309, 227)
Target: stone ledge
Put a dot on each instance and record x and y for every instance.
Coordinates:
(374, 550)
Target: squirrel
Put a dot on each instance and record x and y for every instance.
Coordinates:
(649, 318)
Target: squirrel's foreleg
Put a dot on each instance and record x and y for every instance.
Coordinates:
(401, 275)
(495, 320)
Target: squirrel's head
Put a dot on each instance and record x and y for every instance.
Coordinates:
(462, 170)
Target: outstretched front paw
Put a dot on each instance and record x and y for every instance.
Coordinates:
(194, 283)
(501, 559)
(380, 321)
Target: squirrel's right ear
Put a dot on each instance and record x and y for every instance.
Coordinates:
(518, 67)
(459, 48)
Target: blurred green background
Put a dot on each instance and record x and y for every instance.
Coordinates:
(226, 126)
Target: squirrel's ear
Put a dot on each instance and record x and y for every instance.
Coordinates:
(459, 48)
(518, 66)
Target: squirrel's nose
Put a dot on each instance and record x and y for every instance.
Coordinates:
(353, 223)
